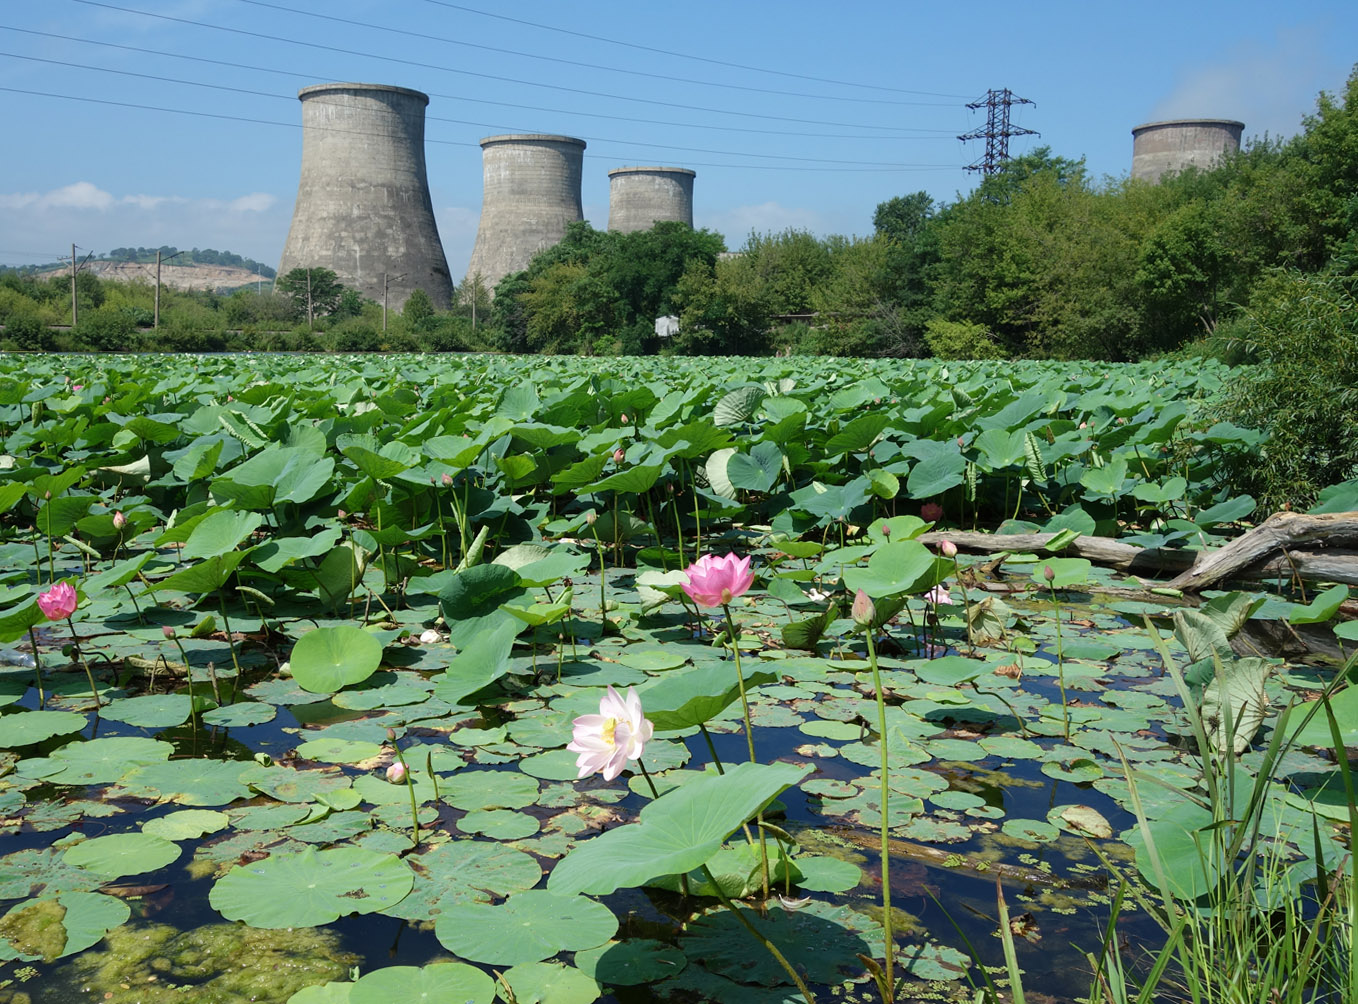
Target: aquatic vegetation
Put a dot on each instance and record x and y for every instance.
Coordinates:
(353, 644)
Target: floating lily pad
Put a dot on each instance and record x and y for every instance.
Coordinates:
(489, 789)
(339, 750)
(154, 711)
(632, 962)
(331, 658)
(825, 941)
(191, 781)
(822, 874)
(242, 715)
(437, 983)
(465, 871)
(187, 824)
(527, 927)
(499, 824)
(24, 728)
(311, 888)
(96, 761)
(120, 854)
(550, 983)
(288, 785)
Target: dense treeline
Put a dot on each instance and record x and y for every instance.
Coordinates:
(1041, 259)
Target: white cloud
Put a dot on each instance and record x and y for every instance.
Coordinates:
(1268, 86)
(254, 224)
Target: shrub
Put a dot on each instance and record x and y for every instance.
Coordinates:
(106, 329)
(354, 335)
(25, 331)
(1303, 331)
(961, 340)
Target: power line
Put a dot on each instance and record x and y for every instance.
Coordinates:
(886, 169)
(293, 74)
(469, 73)
(684, 55)
(480, 125)
(590, 66)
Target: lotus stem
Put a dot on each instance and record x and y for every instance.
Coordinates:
(711, 747)
(890, 983)
(647, 775)
(1060, 662)
(755, 933)
(749, 737)
(75, 647)
(37, 670)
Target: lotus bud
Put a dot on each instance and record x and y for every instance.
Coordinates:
(168, 632)
(886, 529)
(618, 455)
(447, 479)
(119, 521)
(1049, 573)
(1084, 425)
(961, 443)
(341, 514)
(591, 517)
(396, 773)
(863, 612)
(948, 549)
(624, 418)
(391, 735)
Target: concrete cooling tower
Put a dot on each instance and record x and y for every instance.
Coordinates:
(531, 191)
(363, 207)
(641, 197)
(1160, 148)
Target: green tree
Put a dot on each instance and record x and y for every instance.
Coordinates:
(316, 291)
(419, 309)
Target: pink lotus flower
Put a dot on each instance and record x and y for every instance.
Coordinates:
(606, 741)
(396, 773)
(714, 582)
(939, 594)
(59, 602)
(862, 611)
(931, 512)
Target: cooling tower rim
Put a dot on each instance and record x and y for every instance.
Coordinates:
(1186, 122)
(652, 170)
(315, 89)
(532, 137)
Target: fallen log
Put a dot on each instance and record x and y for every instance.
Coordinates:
(1272, 540)
(1252, 559)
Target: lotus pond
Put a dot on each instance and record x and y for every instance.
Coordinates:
(288, 575)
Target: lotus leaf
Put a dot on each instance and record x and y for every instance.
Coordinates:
(311, 887)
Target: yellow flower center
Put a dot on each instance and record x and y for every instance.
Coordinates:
(606, 732)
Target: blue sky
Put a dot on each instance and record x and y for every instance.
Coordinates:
(797, 114)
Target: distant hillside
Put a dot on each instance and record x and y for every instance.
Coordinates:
(198, 268)
(173, 274)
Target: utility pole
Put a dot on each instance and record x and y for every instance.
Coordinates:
(387, 280)
(997, 129)
(75, 315)
(158, 260)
